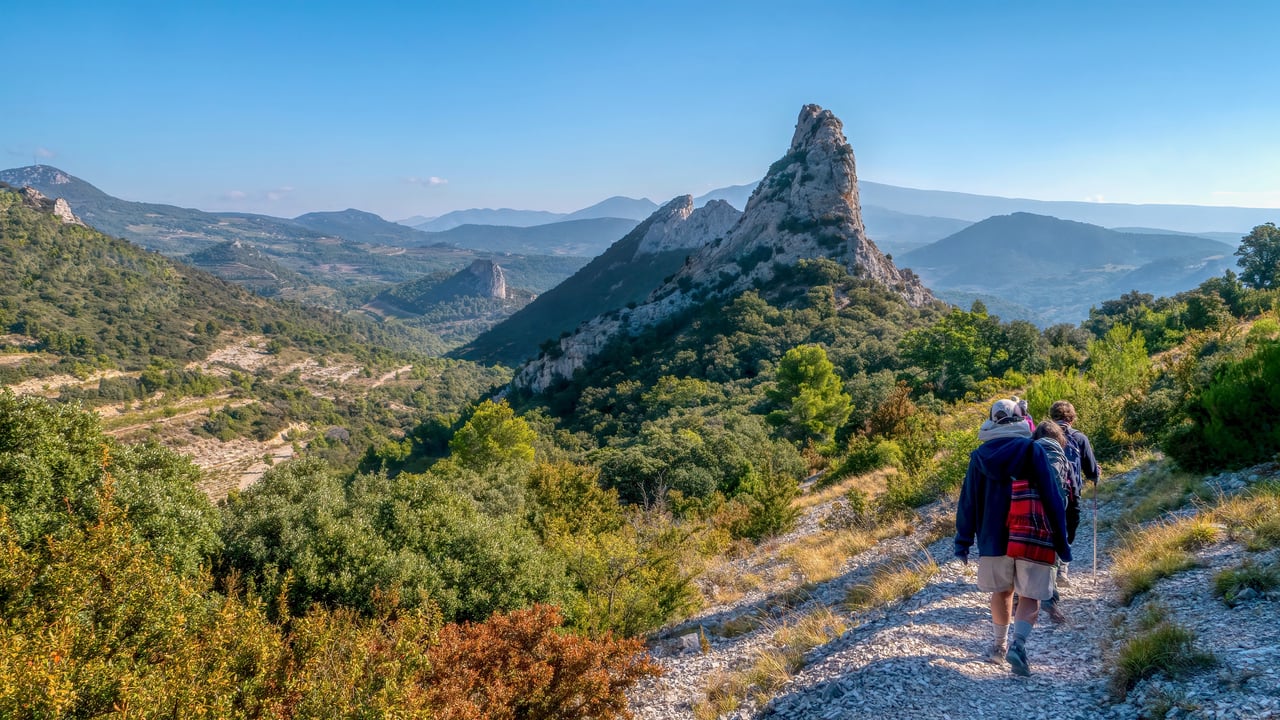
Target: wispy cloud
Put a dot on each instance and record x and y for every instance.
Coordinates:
(1095, 198)
(258, 196)
(426, 181)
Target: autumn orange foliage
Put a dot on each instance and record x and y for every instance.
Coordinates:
(520, 666)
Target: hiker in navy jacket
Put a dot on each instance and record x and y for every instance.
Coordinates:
(983, 512)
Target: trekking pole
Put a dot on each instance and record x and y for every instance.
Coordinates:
(1095, 537)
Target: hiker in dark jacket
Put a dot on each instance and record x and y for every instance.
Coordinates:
(1084, 466)
(1049, 436)
(982, 515)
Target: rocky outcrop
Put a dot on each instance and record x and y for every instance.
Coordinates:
(805, 207)
(58, 207)
(683, 228)
(488, 278)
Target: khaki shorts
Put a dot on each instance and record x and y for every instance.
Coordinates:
(1003, 573)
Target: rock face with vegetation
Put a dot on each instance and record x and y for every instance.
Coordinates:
(806, 207)
(621, 276)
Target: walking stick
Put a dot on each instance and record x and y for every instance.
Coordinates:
(1095, 535)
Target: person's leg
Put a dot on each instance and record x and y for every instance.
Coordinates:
(1032, 581)
(995, 575)
(1001, 607)
(1073, 517)
(1001, 612)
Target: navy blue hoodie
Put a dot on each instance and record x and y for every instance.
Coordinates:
(984, 500)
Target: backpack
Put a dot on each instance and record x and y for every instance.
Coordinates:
(1030, 537)
(1075, 471)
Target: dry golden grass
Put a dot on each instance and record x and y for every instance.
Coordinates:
(772, 667)
(740, 625)
(724, 693)
(725, 584)
(872, 483)
(892, 582)
(899, 525)
(1160, 551)
(1253, 518)
(820, 557)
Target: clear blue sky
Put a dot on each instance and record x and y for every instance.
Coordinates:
(291, 107)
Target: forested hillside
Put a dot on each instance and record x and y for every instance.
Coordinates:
(91, 299)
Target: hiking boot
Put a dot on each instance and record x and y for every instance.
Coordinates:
(1017, 657)
(1056, 615)
(995, 653)
(1063, 580)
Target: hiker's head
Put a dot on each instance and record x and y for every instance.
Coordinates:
(1050, 429)
(1063, 411)
(1022, 405)
(1004, 411)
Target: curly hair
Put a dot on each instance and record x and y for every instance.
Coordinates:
(1063, 411)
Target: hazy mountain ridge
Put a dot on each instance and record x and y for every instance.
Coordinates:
(1058, 268)
(584, 237)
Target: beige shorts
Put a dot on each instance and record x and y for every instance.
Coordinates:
(1003, 573)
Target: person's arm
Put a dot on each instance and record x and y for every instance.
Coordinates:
(1088, 463)
(966, 522)
(1042, 474)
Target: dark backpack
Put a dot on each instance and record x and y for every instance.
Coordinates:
(1075, 471)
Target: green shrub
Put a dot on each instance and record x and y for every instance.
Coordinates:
(769, 506)
(56, 464)
(1229, 583)
(1231, 423)
(1166, 648)
(866, 455)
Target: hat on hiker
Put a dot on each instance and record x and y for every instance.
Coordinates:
(1003, 410)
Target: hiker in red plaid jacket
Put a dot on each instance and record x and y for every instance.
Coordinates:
(983, 513)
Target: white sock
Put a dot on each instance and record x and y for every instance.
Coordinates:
(1000, 633)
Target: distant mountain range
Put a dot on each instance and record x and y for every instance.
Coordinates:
(335, 259)
(901, 219)
(1056, 269)
(614, 207)
(585, 238)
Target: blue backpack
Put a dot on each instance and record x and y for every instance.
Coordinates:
(1075, 471)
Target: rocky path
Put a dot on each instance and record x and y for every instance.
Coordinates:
(922, 658)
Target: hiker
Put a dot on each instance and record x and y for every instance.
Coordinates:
(1049, 436)
(1020, 559)
(1005, 427)
(1022, 408)
(1082, 466)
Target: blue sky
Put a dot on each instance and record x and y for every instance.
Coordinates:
(286, 108)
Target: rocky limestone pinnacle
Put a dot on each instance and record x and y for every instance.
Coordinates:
(490, 280)
(805, 207)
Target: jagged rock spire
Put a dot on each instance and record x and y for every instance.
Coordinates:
(805, 207)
